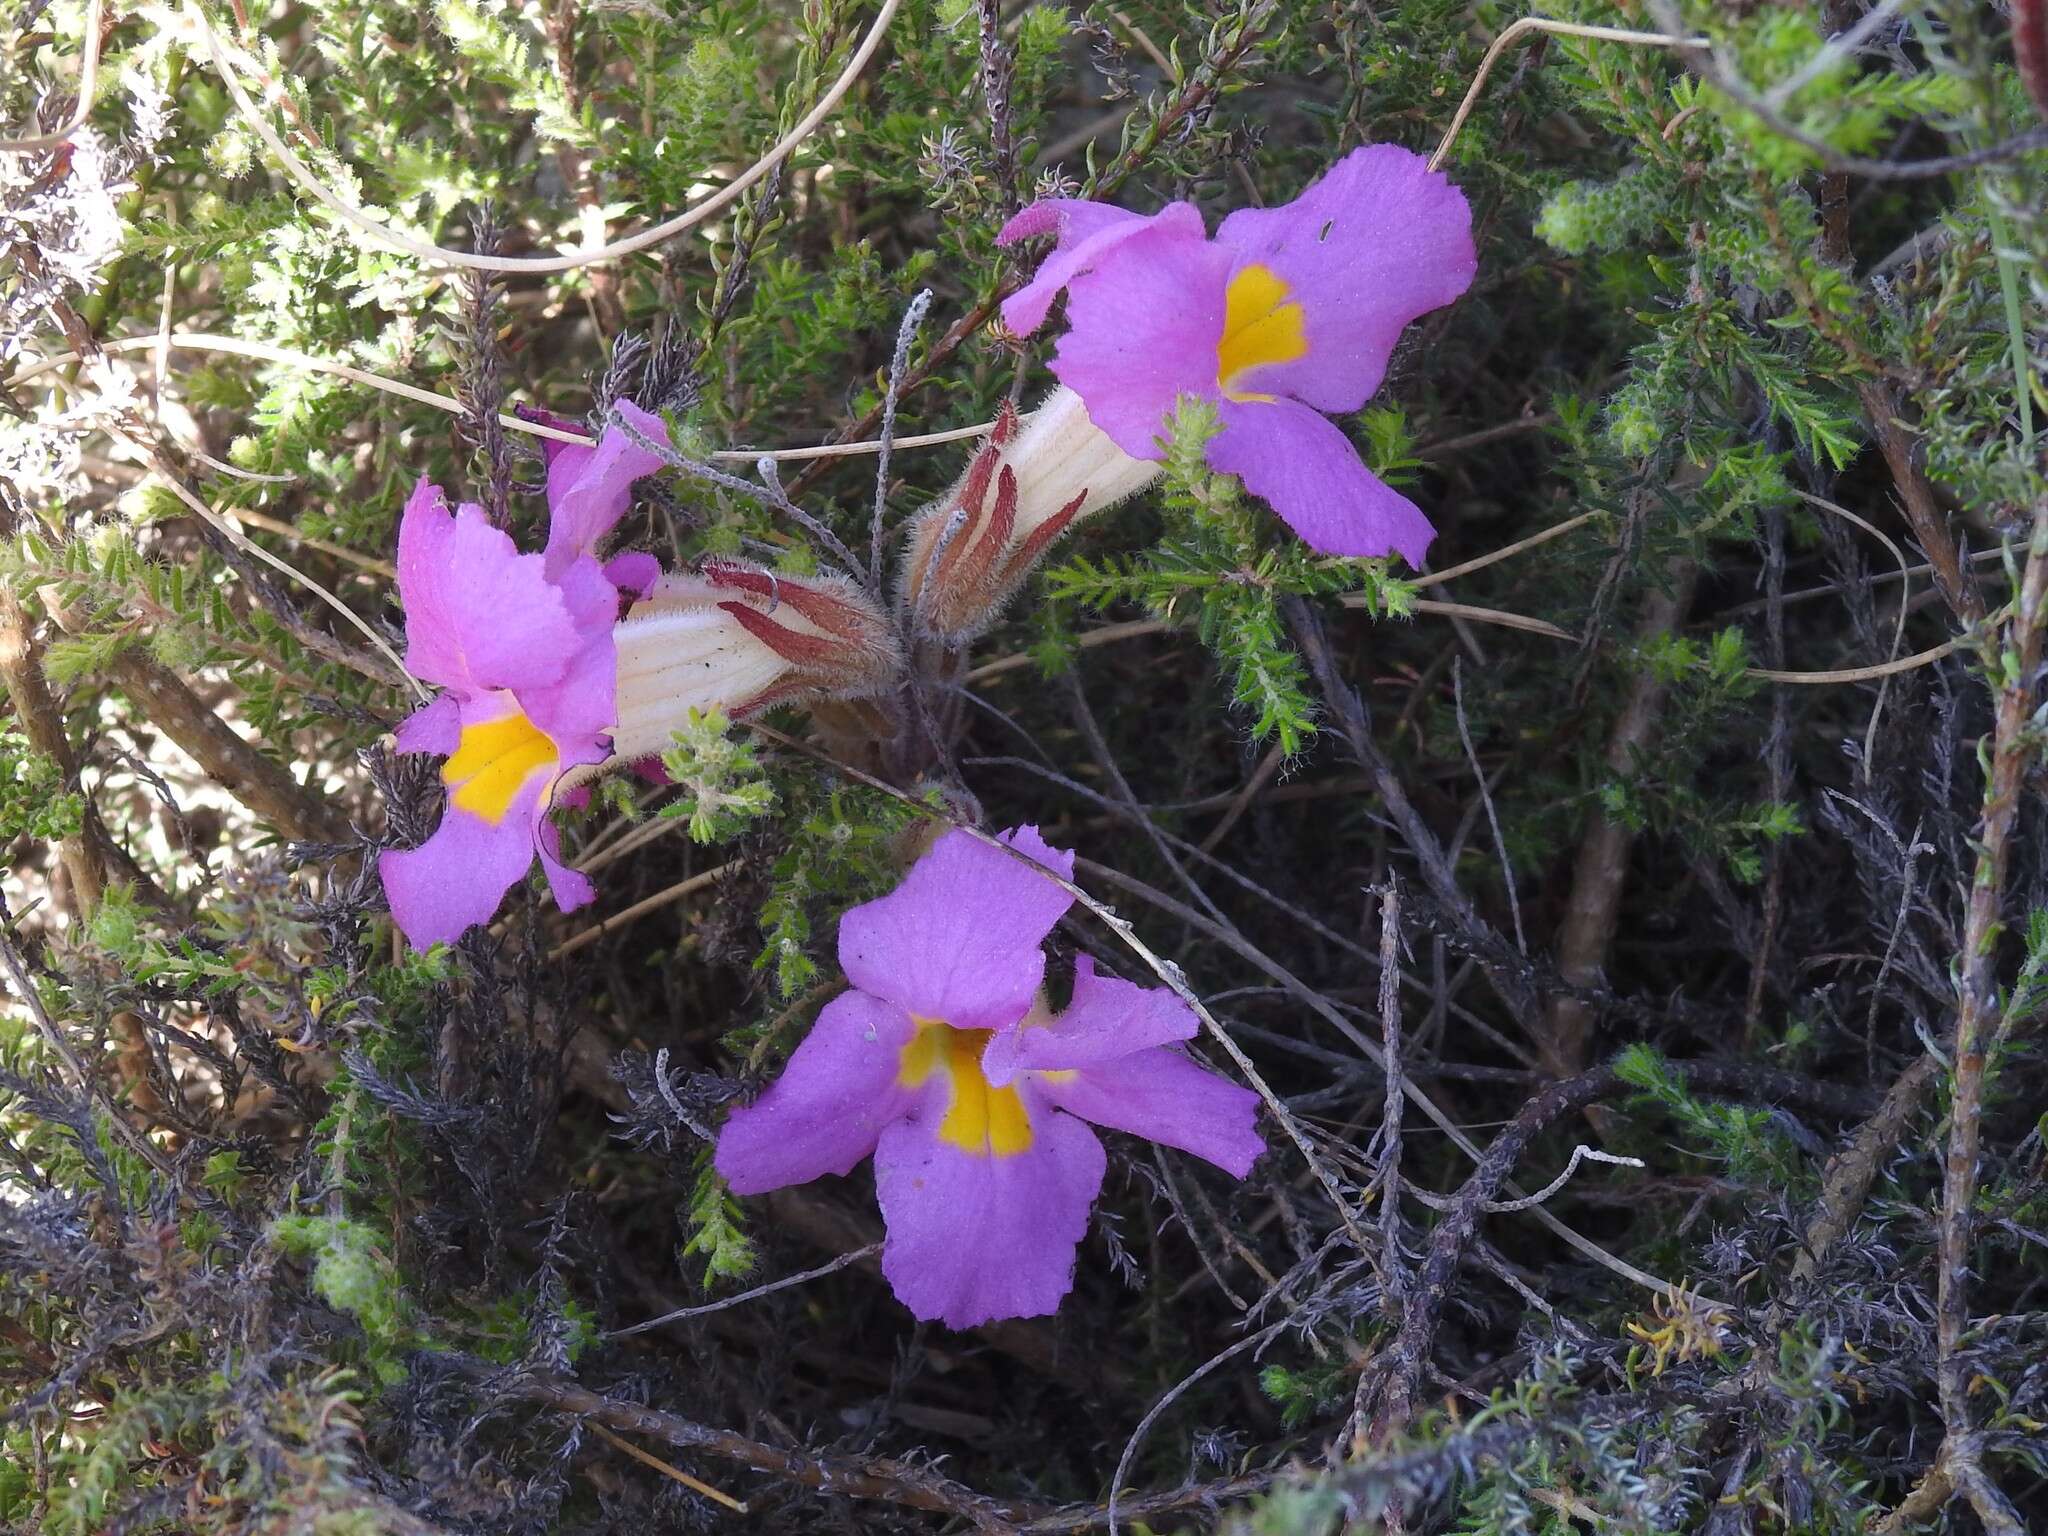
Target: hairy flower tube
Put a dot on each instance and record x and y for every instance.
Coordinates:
(944, 1065)
(740, 638)
(1030, 482)
(1287, 315)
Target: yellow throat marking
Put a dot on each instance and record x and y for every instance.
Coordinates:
(1260, 327)
(492, 762)
(980, 1119)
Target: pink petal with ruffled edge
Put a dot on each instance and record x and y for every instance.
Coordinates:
(1163, 1096)
(973, 1237)
(829, 1107)
(1107, 1019)
(435, 727)
(633, 573)
(1088, 233)
(1310, 474)
(958, 939)
(571, 888)
(457, 877)
(579, 708)
(589, 488)
(478, 614)
(1142, 330)
(1376, 241)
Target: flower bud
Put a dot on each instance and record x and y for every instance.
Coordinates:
(1032, 480)
(740, 638)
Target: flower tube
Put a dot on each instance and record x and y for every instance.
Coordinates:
(1286, 316)
(738, 638)
(943, 1064)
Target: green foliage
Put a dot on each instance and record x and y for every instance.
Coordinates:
(841, 849)
(717, 1234)
(33, 800)
(1223, 567)
(723, 789)
(353, 1274)
(1746, 1140)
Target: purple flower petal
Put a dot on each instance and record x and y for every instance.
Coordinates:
(1165, 1097)
(1378, 240)
(1088, 233)
(478, 614)
(589, 489)
(958, 939)
(579, 707)
(1142, 330)
(457, 877)
(826, 1111)
(975, 1237)
(633, 573)
(1312, 476)
(1107, 1019)
(571, 888)
(435, 727)
(551, 448)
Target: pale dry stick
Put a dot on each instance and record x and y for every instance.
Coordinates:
(1522, 28)
(1123, 1464)
(1600, 869)
(1499, 616)
(1580, 1154)
(199, 341)
(648, 1459)
(1858, 674)
(392, 238)
(1387, 1177)
(1833, 51)
(1137, 33)
(1132, 629)
(235, 471)
(1269, 765)
(640, 909)
(630, 841)
(340, 552)
(88, 87)
(1905, 590)
(82, 1078)
(1500, 843)
(787, 1282)
(1453, 1132)
(235, 536)
(1506, 552)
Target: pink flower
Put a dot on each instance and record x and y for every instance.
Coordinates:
(942, 1064)
(589, 489)
(523, 647)
(1288, 313)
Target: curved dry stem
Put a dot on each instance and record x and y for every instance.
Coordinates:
(227, 529)
(263, 351)
(385, 235)
(1522, 29)
(88, 85)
